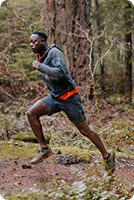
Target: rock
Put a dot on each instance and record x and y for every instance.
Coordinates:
(25, 166)
(67, 159)
(16, 162)
(56, 151)
(55, 174)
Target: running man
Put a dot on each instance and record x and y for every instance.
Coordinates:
(63, 96)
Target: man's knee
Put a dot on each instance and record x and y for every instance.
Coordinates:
(85, 132)
(84, 128)
(30, 113)
(38, 109)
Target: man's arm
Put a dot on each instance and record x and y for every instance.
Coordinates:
(50, 71)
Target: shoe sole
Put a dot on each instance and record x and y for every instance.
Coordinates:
(50, 153)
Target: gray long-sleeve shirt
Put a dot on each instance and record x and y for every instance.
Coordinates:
(54, 72)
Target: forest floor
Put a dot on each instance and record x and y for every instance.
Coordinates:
(18, 176)
(21, 176)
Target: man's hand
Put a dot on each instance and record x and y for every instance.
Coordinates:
(35, 64)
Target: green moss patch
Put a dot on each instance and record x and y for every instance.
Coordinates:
(82, 155)
(29, 196)
(17, 149)
(22, 150)
(21, 146)
(30, 137)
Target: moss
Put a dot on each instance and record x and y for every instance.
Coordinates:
(32, 196)
(30, 137)
(21, 150)
(83, 155)
(17, 149)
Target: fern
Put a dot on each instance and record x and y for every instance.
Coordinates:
(91, 185)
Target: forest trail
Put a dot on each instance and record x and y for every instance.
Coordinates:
(21, 176)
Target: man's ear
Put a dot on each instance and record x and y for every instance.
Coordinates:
(43, 41)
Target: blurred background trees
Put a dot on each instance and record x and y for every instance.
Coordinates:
(96, 37)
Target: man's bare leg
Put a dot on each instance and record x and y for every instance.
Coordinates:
(93, 136)
(33, 114)
(36, 111)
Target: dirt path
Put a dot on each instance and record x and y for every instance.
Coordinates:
(24, 177)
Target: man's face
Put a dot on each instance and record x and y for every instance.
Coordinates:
(36, 43)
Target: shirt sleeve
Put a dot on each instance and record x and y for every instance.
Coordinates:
(57, 68)
(50, 71)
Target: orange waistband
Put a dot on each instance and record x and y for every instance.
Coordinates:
(67, 94)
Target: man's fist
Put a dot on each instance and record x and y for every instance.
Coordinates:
(35, 64)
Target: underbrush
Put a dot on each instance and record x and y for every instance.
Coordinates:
(119, 134)
(93, 185)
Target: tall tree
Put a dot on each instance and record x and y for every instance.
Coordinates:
(133, 63)
(128, 53)
(67, 23)
(99, 29)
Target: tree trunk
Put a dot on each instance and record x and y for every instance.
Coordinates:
(132, 58)
(99, 28)
(128, 54)
(65, 21)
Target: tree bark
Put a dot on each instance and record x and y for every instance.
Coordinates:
(99, 28)
(65, 21)
(128, 54)
(132, 58)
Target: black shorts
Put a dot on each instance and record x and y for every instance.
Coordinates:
(71, 106)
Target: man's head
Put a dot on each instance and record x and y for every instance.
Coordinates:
(38, 42)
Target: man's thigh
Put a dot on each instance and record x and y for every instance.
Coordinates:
(50, 103)
(39, 109)
(73, 108)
